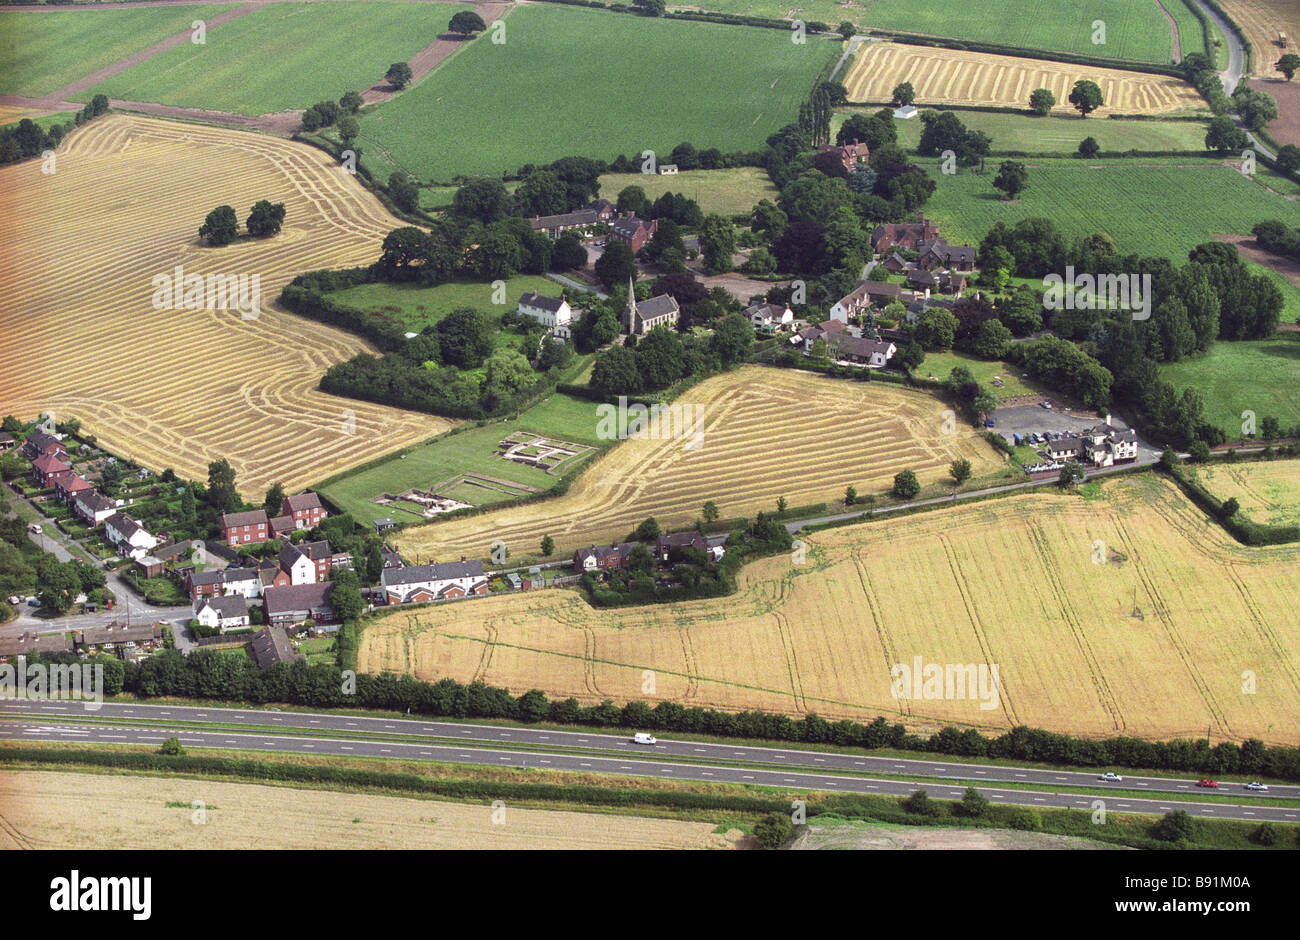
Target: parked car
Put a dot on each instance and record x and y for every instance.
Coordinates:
(642, 738)
(1256, 785)
(1110, 776)
(1207, 782)
(36, 528)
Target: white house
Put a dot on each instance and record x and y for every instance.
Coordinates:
(770, 317)
(298, 564)
(552, 312)
(94, 507)
(418, 584)
(128, 536)
(224, 613)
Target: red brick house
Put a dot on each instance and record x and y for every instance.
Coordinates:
(39, 443)
(906, 234)
(850, 154)
(632, 231)
(602, 557)
(244, 528)
(71, 486)
(305, 508)
(49, 469)
(281, 526)
(681, 541)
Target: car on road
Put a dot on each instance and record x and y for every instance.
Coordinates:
(1110, 776)
(642, 738)
(1207, 782)
(36, 529)
(1256, 785)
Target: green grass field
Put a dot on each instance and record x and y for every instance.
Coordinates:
(285, 55)
(1135, 29)
(1148, 206)
(730, 192)
(560, 417)
(1061, 134)
(940, 364)
(1254, 375)
(421, 306)
(42, 52)
(571, 81)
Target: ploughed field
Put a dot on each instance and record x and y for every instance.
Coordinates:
(80, 336)
(766, 433)
(1128, 613)
(947, 76)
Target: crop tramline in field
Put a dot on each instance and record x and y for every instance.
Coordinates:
(1128, 614)
(1262, 20)
(946, 76)
(767, 434)
(176, 387)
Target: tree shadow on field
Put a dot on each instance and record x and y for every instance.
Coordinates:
(1287, 346)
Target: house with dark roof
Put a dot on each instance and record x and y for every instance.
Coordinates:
(769, 317)
(556, 225)
(551, 312)
(40, 443)
(305, 508)
(223, 582)
(298, 602)
(602, 557)
(420, 584)
(71, 486)
(906, 234)
(850, 154)
(632, 231)
(244, 528)
(939, 254)
(7, 442)
(640, 317)
(271, 646)
(128, 536)
(281, 527)
(667, 543)
(94, 507)
(604, 209)
(229, 612)
(49, 469)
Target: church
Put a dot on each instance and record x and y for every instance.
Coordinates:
(641, 317)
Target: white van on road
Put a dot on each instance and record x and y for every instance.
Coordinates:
(642, 738)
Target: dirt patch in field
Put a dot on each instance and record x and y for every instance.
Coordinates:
(1286, 128)
(1249, 249)
(851, 835)
(52, 810)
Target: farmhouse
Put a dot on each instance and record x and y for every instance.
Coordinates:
(272, 646)
(419, 584)
(128, 536)
(244, 528)
(223, 613)
(906, 234)
(40, 443)
(640, 317)
(552, 312)
(93, 506)
(49, 469)
(632, 231)
(850, 154)
(305, 508)
(556, 225)
(602, 557)
(769, 317)
(298, 602)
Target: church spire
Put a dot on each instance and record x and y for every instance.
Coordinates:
(629, 312)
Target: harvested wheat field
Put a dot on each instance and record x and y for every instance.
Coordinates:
(1129, 613)
(79, 334)
(52, 810)
(946, 76)
(767, 433)
(1262, 20)
(1268, 493)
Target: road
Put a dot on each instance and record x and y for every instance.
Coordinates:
(243, 729)
(1235, 71)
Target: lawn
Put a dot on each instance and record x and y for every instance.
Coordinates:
(1252, 375)
(471, 451)
(1135, 29)
(1060, 134)
(285, 55)
(940, 364)
(729, 192)
(42, 52)
(421, 306)
(579, 82)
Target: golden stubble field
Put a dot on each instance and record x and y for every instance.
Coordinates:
(79, 335)
(1262, 20)
(767, 433)
(1268, 493)
(1044, 586)
(948, 76)
(53, 810)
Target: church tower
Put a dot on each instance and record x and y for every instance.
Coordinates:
(629, 310)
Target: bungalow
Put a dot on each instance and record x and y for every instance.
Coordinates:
(769, 317)
(810, 334)
(305, 508)
(71, 486)
(632, 231)
(244, 528)
(419, 584)
(93, 506)
(223, 613)
(145, 634)
(907, 234)
(602, 557)
(40, 443)
(870, 352)
(555, 225)
(128, 536)
(680, 541)
(49, 469)
(271, 646)
(299, 602)
(668, 169)
(552, 312)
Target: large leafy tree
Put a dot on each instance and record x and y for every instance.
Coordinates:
(221, 227)
(265, 219)
(466, 23)
(1086, 96)
(398, 75)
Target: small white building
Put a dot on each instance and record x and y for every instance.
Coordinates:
(128, 536)
(224, 613)
(906, 113)
(552, 312)
(668, 169)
